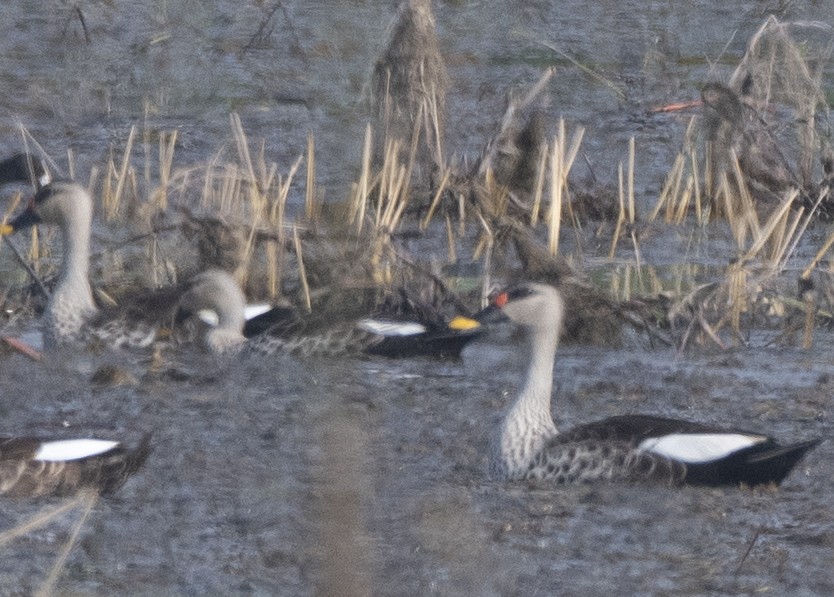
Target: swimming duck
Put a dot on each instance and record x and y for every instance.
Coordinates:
(33, 467)
(320, 336)
(68, 206)
(71, 316)
(282, 330)
(630, 447)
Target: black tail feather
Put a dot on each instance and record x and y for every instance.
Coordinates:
(758, 465)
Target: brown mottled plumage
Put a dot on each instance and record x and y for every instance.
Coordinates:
(27, 471)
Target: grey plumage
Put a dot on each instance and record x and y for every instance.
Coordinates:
(630, 447)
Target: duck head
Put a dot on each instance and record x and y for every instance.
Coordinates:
(63, 204)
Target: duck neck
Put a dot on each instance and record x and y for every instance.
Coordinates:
(533, 404)
(72, 301)
(529, 424)
(535, 397)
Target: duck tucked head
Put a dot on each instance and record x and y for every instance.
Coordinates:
(214, 305)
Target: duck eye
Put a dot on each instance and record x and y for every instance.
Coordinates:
(518, 293)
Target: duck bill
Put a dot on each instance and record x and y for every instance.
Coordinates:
(25, 220)
(463, 324)
(492, 314)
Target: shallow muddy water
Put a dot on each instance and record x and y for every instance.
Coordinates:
(280, 477)
(364, 476)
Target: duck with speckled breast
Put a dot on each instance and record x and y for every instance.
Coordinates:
(72, 316)
(629, 447)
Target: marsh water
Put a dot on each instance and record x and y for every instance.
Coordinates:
(290, 476)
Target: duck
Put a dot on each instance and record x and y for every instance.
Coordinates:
(71, 315)
(222, 324)
(68, 206)
(212, 304)
(33, 467)
(212, 313)
(312, 336)
(622, 448)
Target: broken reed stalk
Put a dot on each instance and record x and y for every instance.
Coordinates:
(632, 212)
(489, 239)
(359, 200)
(71, 163)
(679, 186)
(311, 207)
(113, 201)
(798, 235)
(538, 189)
(392, 189)
(810, 300)
(818, 257)
(561, 162)
(556, 166)
(302, 271)
(389, 183)
(671, 182)
(683, 204)
(424, 224)
(40, 519)
(146, 142)
(627, 211)
(762, 235)
(744, 211)
(23, 261)
(781, 252)
(242, 145)
(678, 204)
(693, 184)
(34, 255)
(89, 500)
(167, 144)
(428, 108)
(265, 198)
(621, 215)
(737, 290)
(276, 220)
(461, 215)
(780, 238)
(450, 240)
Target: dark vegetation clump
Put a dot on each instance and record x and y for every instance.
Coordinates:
(419, 233)
(409, 85)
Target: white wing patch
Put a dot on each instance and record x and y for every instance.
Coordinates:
(696, 448)
(73, 449)
(391, 328)
(252, 311)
